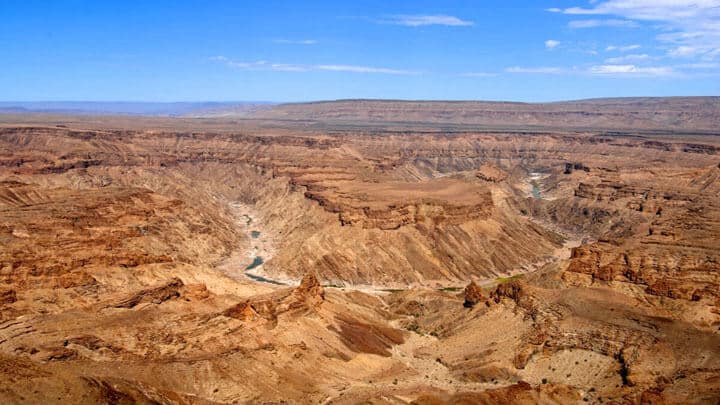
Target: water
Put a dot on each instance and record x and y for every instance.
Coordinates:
(257, 262)
(262, 279)
(255, 234)
(534, 177)
(535, 190)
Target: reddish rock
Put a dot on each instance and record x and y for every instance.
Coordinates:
(309, 293)
(514, 290)
(473, 295)
(243, 311)
(7, 296)
(156, 295)
(196, 292)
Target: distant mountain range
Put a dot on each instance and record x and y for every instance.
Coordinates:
(132, 108)
(636, 113)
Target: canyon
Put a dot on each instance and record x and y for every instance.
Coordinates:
(364, 251)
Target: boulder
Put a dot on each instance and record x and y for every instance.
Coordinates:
(473, 295)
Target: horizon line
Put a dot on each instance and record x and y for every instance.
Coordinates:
(330, 100)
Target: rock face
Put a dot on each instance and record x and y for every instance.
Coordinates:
(491, 173)
(396, 204)
(155, 295)
(473, 294)
(637, 113)
(514, 290)
(309, 294)
(243, 311)
(569, 167)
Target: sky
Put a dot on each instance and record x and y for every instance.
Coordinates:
(246, 50)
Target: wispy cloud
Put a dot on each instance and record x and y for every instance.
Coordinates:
(646, 9)
(691, 27)
(424, 20)
(296, 41)
(258, 65)
(551, 44)
(633, 70)
(478, 74)
(287, 67)
(683, 51)
(622, 48)
(604, 70)
(362, 69)
(603, 23)
(702, 65)
(633, 57)
(537, 70)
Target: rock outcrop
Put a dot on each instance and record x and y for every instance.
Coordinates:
(154, 295)
(308, 295)
(473, 295)
(243, 311)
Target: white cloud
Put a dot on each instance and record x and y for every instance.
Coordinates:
(608, 70)
(602, 23)
(423, 20)
(478, 74)
(683, 52)
(551, 43)
(296, 41)
(704, 65)
(622, 48)
(633, 57)
(625, 70)
(284, 67)
(536, 70)
(245, 65)
(686, 23)
(653, 10)
(287, 67)
(362, 69)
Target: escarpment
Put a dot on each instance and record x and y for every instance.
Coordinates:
(330, 260)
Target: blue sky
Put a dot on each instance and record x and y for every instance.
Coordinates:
(530, 50)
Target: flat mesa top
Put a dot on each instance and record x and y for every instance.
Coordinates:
(447, 190)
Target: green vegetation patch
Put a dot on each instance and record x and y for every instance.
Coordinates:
(502, 280)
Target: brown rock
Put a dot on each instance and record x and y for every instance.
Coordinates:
(309, 293)
(7, 296)
(490, 173)
(196, 292)
(473, 295)
(513, 290)
(156, 295)
(243, 311)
